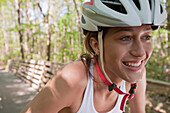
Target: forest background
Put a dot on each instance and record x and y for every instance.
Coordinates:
(50, 30)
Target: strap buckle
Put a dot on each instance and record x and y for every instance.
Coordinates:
(112, 86)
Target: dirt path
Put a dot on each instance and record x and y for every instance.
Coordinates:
(14, 93)
(158, 99)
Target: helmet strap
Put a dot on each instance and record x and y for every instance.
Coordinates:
(100, 39)
(107, 80)
(112, 86)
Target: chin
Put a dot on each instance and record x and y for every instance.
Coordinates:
(134, 80)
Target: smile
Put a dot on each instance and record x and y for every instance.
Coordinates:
(133, 65)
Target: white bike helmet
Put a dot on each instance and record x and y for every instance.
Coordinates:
(120, 13)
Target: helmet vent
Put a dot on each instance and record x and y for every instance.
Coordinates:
(161, 9)
(150, 4)
(115, 5)
(137, 4)
(83, 20)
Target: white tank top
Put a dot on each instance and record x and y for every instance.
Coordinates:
(87, 105)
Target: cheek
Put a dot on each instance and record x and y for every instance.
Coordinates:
(113, 52)
(148, 49)
(113, 56)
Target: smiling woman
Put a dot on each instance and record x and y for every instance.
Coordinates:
(118, 36)
(126, 50)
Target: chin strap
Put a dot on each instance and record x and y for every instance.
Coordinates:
(129, 95)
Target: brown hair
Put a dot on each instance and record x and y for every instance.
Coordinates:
(86, 58)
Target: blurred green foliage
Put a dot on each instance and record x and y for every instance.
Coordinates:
(158, 65)
(66, 38)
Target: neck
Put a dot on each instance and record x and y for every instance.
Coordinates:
(100, 84)
(100, 88)
(115, 79)
(113, 86)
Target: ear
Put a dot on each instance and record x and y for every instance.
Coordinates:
(94, 45)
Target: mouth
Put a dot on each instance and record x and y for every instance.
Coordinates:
(133, 65)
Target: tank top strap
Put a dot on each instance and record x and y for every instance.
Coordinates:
(87, 102)
(123, 86)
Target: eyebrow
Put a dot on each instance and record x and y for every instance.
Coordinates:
(148, 29)
(120, 30)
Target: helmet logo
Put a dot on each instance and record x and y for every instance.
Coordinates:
(89, 3)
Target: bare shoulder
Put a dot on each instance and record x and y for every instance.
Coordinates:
(61, 91)
(72, 74)
(70, 83)
(71, 78)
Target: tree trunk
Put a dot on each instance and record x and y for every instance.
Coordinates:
(27, 30)
(6, 40)
(78, 17)
(64, 44)
(168, 22)
(18, 3)
(46, 20)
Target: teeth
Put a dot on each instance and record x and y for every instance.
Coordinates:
(132, 64)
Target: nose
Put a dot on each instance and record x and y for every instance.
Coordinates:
(137, 49)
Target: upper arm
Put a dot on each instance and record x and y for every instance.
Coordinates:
(137, 104)
(58, 93)
(50, 99)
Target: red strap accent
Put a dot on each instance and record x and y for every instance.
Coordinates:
(122, 106)
(131, 96)
(133, 83)
(101, 75)
(119, 91)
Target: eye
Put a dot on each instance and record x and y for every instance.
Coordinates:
(126, 38)
(147, 37)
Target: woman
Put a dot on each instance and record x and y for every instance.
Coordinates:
(118, 36)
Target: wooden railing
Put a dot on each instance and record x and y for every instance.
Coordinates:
(37, 73)
(158, 86)
(34, 72)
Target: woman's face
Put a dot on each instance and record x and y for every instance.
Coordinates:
(126, 51)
